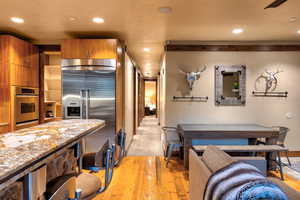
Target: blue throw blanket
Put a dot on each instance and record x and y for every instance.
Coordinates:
(241, 181)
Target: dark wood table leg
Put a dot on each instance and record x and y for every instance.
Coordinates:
(187, 146)
(271, 165)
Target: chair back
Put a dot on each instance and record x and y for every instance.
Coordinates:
(282, 134)
(64, 189)
(171, 134)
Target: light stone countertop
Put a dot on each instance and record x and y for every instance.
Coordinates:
(23, 147)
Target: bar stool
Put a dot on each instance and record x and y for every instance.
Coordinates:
(62, 188)
(173, 141)
(85, 185)
(89, 183)
(120, 141)
(280, 142)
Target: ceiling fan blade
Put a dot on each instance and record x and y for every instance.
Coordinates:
(275, 4)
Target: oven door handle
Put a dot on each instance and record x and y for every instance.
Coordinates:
(26, 96)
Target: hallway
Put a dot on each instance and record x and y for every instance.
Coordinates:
(147, 141)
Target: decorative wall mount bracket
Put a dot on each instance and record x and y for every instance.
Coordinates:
(270, 94)
(190, 99)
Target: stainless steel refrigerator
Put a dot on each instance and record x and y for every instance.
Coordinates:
(89, 93)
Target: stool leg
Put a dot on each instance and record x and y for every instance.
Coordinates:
(166, 152)
(280, 165)
(288, 158)
(169, 153)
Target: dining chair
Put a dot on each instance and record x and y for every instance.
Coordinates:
(172, 141)
(280, 141)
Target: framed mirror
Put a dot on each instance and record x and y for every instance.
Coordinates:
(230, 85)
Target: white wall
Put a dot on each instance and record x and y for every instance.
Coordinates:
(262, 110)
(129, 99)
(162, 91)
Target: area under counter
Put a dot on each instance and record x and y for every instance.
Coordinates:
(24, 150)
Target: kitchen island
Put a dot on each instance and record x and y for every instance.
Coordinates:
(23, 151)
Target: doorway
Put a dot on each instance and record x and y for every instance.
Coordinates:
(150, 98)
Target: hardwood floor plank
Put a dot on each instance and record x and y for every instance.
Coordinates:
(148, 178)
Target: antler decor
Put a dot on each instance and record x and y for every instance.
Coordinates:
(270, 81)
(191, 77)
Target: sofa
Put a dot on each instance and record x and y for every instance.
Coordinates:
(213, 159)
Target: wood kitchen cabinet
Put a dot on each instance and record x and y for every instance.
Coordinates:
(89, 48)
(19, 66)
(20, 58)
(4, 97)
(23, 59)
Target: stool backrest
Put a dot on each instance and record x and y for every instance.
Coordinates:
(120, 138)
(100, 156)
(65, 190)
(120, 145)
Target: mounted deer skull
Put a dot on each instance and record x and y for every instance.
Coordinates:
(191, 77)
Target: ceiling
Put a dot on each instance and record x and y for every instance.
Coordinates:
(140, 24)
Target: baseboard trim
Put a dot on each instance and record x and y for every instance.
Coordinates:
(291, 154)
(126, 150)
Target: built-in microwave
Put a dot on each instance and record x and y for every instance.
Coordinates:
(26, 104)
(73, 110)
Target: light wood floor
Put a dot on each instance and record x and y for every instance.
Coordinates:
(147, 178)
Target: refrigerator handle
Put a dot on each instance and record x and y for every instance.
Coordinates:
(81, 104)
(87, 103)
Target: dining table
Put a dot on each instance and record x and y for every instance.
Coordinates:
(190, 132)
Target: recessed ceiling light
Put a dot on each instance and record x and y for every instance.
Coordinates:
(146, 49)
(72, 18)
(165, 10)
(298, 31)
(119, 50)
(17, 20)
(237, 31)
(98, 20)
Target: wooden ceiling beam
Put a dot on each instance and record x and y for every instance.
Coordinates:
(182, 47)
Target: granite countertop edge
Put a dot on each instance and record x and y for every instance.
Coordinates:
(63, 133)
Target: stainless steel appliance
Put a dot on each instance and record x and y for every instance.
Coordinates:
(26, 104)
(89, 93)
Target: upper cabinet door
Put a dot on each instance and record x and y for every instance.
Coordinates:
(24, 63)
(89, 49)
(19, 51)
(23, 53)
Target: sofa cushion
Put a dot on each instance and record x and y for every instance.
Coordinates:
(290, 192)
(216, 159)
(198, 175)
